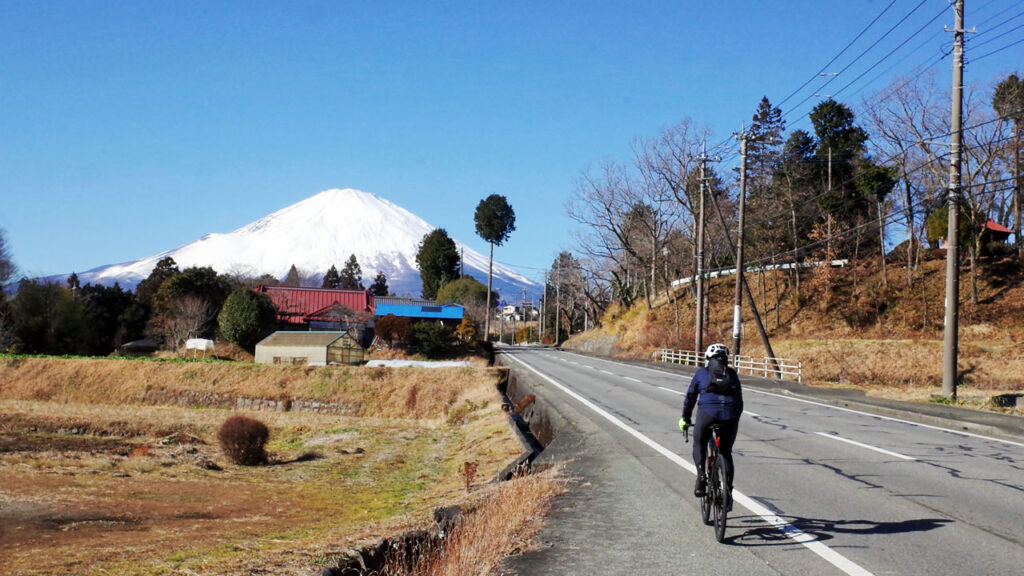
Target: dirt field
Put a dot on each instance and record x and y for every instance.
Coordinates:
(131, 488)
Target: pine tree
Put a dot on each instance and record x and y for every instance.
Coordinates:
(292, 278)
(332, 279)
(351, 277)
(495, 221)
(380, 285)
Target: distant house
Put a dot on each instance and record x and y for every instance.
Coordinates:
(310, 349)
(322, 308)
(992, 234)
(418, 310)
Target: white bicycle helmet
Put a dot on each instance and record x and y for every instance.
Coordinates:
(716, 349)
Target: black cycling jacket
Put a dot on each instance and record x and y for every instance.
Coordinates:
(716, 406)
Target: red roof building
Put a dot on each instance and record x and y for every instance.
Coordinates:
(310, 306)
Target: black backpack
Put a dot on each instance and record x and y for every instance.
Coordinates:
(722, 380)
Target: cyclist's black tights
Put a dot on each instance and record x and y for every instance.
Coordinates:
(726, 432)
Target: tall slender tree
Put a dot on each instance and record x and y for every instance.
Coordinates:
(1008, 102)
(351, 275)
(495, 221)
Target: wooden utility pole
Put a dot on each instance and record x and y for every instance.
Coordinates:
(769, 352)
(698, 324)
(952, 322)
(737, 320)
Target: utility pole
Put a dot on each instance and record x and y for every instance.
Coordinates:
(769, 352)
(543, 305)
(698, 338)
(558, 286)
(952, 322)
(737, 320)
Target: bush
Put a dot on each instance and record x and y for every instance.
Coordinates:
(433, 339)
(243, 439)
(246, 317)
(394, 329)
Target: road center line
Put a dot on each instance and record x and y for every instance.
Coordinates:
(862, 445)
(880, 417)
(609, 373)
(807, 540)
(670, 390)
(631, 379)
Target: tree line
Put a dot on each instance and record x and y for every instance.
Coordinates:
(846, 188)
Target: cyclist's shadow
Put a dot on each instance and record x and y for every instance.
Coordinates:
(820, 529)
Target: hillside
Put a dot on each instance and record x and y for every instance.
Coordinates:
(883, 337)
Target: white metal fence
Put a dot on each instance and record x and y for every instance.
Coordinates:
(782, 368)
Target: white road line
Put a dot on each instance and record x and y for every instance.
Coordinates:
(633, 379)
(670, 390)
(751, 413)
(889, 418)
(862, 445)
(807, 540)
(609, 373)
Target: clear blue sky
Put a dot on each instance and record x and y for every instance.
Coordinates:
(129, 128)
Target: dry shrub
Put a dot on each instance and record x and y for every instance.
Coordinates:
(243, 440)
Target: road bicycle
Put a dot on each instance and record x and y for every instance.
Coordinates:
(717, 499)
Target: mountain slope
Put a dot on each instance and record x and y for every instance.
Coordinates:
(315, 234)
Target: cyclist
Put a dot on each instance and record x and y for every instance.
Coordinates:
(716, 393)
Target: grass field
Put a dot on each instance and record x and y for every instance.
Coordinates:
(95, 480)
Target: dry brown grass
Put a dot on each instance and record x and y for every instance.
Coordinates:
(112, 486)
(506, 519)
(377, 392)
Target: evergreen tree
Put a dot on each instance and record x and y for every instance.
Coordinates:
(7, 269)
(438, 261)
(247, 316)
(380, 285)
(1008, 102)
(495, 221)
(840, 146)
(292, 279)
(165, 268)
(351, 275)
(332, 279)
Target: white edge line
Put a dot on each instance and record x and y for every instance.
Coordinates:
(889, 418)
(862, 445)
(807, 540)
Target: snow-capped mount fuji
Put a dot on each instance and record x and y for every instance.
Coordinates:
(315, 234)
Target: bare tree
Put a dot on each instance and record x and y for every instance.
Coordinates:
(188, 316)
(905, 120)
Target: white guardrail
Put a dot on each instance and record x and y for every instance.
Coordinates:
(779, 368)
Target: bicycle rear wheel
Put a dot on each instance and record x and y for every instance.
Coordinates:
(721, 492)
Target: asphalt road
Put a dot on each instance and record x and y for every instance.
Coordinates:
(819, 489)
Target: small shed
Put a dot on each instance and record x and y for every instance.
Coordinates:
(310, 348)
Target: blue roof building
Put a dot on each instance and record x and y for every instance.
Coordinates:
(420, 310)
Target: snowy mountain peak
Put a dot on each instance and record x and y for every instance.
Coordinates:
(313, 235)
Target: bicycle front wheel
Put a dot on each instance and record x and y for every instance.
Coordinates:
(721, 503)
